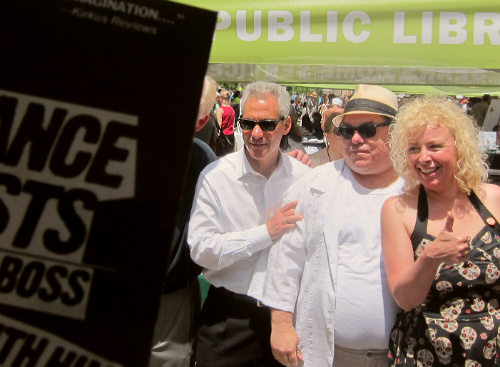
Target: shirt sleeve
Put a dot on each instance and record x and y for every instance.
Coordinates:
(210, 246)
(286, 264)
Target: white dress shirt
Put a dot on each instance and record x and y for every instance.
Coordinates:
(304, 264)
(227, 231)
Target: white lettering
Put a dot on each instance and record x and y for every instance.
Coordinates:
(451, 28)
(399, 35)
(225, 21)
(481, 28)
(280, 28)
(272, 72)
(427, 27)
(331, 24)
(215, 70)
(124, 7)
(305, 28)
(231, 70)
(348, 26)
(241, 25)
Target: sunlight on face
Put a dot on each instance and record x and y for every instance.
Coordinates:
(432, 156)
(263, 146)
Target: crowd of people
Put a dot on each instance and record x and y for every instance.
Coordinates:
(309, 113)
(382, 249)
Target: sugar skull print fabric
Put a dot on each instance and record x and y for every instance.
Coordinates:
(459, 322)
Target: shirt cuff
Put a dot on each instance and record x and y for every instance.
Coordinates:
(259, 235)
(278, 304)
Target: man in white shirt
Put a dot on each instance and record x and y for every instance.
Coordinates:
(326, 281)
(237, 215)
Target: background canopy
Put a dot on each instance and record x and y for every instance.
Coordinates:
(440, 43)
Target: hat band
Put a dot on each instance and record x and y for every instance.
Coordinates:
(360, 104)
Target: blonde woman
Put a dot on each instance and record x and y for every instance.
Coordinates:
(441, 241)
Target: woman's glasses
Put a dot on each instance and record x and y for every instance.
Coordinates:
(366, 131)
(265, 125)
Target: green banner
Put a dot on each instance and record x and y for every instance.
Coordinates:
(378, 33)
(381, 75)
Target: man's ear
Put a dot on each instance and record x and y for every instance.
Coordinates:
(201, 122)
(288, 125)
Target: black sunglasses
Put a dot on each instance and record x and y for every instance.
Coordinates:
(265, 125)
(366, 131)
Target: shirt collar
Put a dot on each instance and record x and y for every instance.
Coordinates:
(244, 167)
(336, 168)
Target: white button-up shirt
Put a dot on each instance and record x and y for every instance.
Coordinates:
(303, 265)
(227, 232)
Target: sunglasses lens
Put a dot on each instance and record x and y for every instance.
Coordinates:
(367, 131)
(265, 125)
(247, 124)
(268, 125)
(346, 132)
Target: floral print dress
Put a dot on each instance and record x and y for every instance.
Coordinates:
(459, 322)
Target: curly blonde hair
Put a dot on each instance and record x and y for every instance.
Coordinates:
(471, 171)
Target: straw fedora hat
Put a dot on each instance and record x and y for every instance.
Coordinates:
(370, 99)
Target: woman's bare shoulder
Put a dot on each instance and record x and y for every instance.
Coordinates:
(492, 199)
(404, 202)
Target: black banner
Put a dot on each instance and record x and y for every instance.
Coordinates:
(98, 100)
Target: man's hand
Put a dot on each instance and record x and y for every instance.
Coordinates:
(284, 339)
(300, 156)
(283, 220)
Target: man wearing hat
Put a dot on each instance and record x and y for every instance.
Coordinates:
(312, 104)
(336, 107)
(325, 280)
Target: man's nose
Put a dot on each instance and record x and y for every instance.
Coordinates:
(257, 132)
(357, 138)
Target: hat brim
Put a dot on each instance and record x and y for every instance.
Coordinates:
(338, 119)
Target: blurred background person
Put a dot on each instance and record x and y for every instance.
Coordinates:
(317, 129)
(479, 110)
(174, 338)
(304, 109)
(312, 103)
(307, 127)
(335, 106)
(294, 136)
(297, 104)
(333, 149)
(235, 103)
(208, 133)
(226, 116)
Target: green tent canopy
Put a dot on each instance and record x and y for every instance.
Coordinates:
(412, 89)
(452, 46)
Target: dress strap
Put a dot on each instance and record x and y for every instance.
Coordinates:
(483, 211)
(420, 229)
